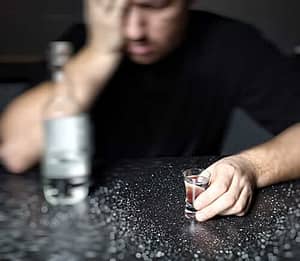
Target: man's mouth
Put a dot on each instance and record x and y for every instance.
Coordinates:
(138, 49)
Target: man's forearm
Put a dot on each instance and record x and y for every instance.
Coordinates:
(88, 73)
(21, 124)
(278, 159)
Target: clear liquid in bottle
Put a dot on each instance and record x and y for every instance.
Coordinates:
(67, 147)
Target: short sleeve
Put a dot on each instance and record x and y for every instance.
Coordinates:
(273, 98)
(266, 83)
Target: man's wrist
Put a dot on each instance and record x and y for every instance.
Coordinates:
(100, 54)
(98, 66)
(88, 72)
(91, 66)
(253, 164)
(262, 161)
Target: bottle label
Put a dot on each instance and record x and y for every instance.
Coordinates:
(67, 147)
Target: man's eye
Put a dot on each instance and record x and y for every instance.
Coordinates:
(160, 3)
(155, 3)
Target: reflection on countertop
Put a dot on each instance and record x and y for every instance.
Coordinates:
(136, 211)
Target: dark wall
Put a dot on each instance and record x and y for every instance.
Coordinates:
(278, 19)
(26, 26)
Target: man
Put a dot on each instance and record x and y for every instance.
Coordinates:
(162, 82)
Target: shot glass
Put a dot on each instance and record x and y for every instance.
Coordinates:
(196, 180)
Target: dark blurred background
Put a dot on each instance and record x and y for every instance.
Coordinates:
(27, 26)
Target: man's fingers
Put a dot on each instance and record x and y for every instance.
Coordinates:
(213, 192)
(248, 205)
(233, 202)
(226, 201)
(247, 202)
(218, 206)
(230, 191)
(96, 9)
(221, 179)
(119, 7)
(1, 154)
(95, 3)
(92, 9)
(108, 5)
(242, 204)
(115, 6)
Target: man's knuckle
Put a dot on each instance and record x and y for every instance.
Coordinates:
(241, 213)
(245, 180)
(239, 209)
(223, 187)
(231, 199)
(204, 215)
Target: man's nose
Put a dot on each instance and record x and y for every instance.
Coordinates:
(134, 25)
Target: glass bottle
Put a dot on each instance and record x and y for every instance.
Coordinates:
(66, 163)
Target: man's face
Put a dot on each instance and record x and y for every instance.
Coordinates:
(153, 28)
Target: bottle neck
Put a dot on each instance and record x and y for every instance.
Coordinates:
(62, 101)
(61, 86)
(58, 76)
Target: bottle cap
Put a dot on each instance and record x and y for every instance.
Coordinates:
(60, 52)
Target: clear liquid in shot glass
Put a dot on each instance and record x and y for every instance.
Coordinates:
(195, 184)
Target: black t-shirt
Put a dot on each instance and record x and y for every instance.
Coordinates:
(181, 105)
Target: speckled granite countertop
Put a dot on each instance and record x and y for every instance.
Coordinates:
(135, 211)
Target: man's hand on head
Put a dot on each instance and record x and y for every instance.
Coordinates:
(232, 182)
(89, 70)
(104, 24)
